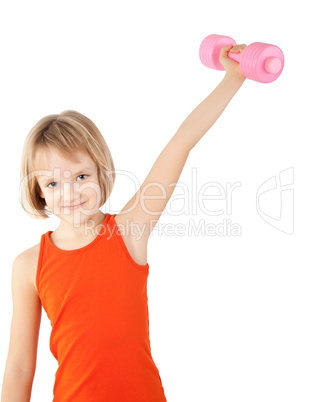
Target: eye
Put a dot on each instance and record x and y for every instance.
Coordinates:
(83, 175)
(48, 185)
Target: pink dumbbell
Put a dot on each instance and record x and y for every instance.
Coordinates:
(259, 61)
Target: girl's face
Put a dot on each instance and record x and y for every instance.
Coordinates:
(71, 190)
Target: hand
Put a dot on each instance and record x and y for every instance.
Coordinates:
(231, 66)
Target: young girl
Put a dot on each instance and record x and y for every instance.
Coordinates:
(90, 274)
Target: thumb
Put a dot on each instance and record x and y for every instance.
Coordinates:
(226, 49)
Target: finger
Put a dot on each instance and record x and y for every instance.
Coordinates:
(238, 48)
(226, 49)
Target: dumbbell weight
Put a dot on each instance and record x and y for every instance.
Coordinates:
(259, 61)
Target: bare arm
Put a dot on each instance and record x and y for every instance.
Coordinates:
(16, 387)
(21, 360)
(202, 118)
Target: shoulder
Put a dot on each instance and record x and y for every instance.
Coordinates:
(134, 238)
(25, 263)
(28, 255)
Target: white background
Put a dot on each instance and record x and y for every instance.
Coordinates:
(230, 316)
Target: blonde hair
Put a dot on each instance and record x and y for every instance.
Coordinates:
(67, 132)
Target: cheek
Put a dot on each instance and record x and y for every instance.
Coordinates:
(92, 191)
(52, 198)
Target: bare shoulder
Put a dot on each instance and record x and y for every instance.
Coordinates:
(27, 261)
(134, 236)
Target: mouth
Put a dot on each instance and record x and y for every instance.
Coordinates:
(75, 206)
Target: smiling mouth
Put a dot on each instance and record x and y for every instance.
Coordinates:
(75, 206)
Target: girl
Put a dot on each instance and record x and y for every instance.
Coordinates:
(90, 274)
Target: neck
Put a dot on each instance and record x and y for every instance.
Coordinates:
(88, 227)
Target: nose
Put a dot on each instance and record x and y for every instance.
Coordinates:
(70, 194)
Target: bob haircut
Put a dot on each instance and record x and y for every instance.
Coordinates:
(67, 132)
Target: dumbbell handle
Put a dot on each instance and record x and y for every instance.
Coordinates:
(272, 64)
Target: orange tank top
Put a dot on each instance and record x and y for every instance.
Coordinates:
(96, 300)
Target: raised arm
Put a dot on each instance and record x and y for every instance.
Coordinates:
(147, 205)
(202, 118)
